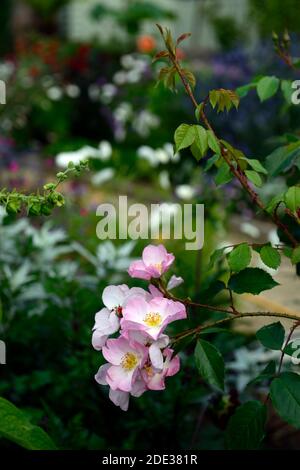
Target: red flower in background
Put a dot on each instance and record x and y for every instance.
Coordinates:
(145, 44)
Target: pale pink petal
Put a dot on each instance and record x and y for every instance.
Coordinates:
(174, 281)
(113, 296)
(137, 269)
(114, 350)
(98, 340)
(153, 254)
(156, 356)
(120, 379)
(119, 398)
(154, 291)
(100, 377)
(102, 319)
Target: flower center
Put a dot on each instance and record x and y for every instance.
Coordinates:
(152, 319)
(129, 361)
(149, 370)
(158, 266)
(119, 311)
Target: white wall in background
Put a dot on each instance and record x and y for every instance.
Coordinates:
(189, 12)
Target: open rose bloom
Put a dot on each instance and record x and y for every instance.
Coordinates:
(140, 358)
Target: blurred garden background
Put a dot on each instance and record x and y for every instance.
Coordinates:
(80, 84)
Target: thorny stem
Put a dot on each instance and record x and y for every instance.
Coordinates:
(285, 345)
(237, 171)
(189, 302)
(223, 321)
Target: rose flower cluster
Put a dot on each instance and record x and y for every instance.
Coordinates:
(139, 359)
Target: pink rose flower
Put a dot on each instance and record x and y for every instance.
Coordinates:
(126, 359)
(155, 347)
(154, 378)
(151, 317)
(107, 321)
(155, 261)
(118, 397)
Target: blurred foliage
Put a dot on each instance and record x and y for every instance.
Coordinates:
(133, 14)
(274, 15)
(46, 8)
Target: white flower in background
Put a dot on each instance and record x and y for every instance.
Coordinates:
(169, 149)
(144, 122)
(123, 112)
(185, 191)
(120, 78)
(112, 257)
(127, 61)
(247, 364)
(103, 152)
(133, 76)
(107, 92)
(6, 70)
(250, 229)
(54, 93)
(158, 156)
(73, 91)
(164, 179)
(103, 176)
(94, 92)
(132, 70)
(149, 154)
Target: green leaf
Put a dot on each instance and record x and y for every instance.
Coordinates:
(285, 396)
(246, 428)
(287, 90)
(293, 349)
(282, 158)
(240, 257)
(266, 374)
(267, 87)
(210, 363)
(275, 201)
(223, 99)
(251, 280)
(254, 177)
(271, 336)
(15, 427)
(213, 143)
(198, 111)
(210, 162)
(270, 256)
(292, 198)
(201, 139)
(184, 136)
(256, 165)
(296, 255)
(243, 91)
(223, 175)
(215, 257)
(182, 344)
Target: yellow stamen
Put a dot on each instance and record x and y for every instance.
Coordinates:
(129, 361)
(152, 319)
(149, 370)
(158, 266)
